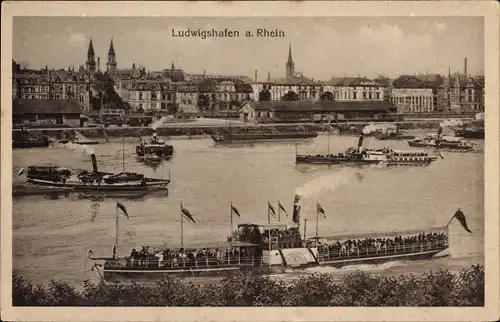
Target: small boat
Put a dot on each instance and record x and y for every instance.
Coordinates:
(154, 148)
(359, 155)
(25, 139)
(393, 135)
(442, 142)
(474, 132)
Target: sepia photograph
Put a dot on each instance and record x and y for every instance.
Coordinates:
(250, 158)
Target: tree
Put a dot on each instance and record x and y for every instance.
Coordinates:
(264, 95)
(290, 96)
(382, 80)
(327, 96)
(203, 102)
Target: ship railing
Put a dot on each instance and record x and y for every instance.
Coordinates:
(208, 262)
(362, 252)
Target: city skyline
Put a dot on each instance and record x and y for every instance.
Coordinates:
(322, 48)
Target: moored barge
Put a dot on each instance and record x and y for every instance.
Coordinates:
(94, 180)
(263, 134)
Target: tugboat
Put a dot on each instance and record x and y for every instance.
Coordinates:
(267, 248)
(263, 134)
(95, 180)
(359, 155)
(154, 149)
(438, 141)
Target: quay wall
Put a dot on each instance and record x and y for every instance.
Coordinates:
(195, 130)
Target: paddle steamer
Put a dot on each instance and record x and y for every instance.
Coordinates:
(268, 248)
(359, 155)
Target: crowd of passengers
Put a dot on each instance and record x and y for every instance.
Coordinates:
(353, 247)
(282, 233)
(147, 257)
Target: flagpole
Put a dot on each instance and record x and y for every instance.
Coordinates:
(449, 222)
(231, 215)
(305, 231)
(182, 228)
(317, 220)
(117, 234)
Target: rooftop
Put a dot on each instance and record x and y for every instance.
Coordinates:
(52, 106)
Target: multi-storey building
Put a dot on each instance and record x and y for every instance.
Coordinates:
(461, 93)
(48, 84)
(413, 100)
(148, 94)
(352, 89)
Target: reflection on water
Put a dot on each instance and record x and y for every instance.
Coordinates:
(50, 235)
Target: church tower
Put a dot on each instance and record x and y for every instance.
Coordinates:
(290, 65)
(90, 64)
(111, 65)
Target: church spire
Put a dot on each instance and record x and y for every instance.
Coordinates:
(111, 48)
(90, 64)
(111, 64)
(290, 65)
(91, 48)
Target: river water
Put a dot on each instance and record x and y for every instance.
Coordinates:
(50, 237)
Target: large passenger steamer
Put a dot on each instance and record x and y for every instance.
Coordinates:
(269, 248)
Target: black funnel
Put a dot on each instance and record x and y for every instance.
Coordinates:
(94, 162)
(360, 141)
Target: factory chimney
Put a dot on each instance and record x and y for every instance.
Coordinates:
(256, 75)
(98, 64)
(465, 66)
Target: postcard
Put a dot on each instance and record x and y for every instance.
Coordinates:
(241, 161)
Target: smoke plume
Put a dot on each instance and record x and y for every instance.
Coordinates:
(330, 182)
(74, 147)
(372, 128)
(451, 123)
(159, 122)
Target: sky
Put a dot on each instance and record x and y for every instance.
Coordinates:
(322, 48)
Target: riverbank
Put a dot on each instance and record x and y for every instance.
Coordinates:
(434, 288)
(190, 130)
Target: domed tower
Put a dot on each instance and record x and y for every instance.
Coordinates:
(111, 65)
(90, 64)
(290, 65)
